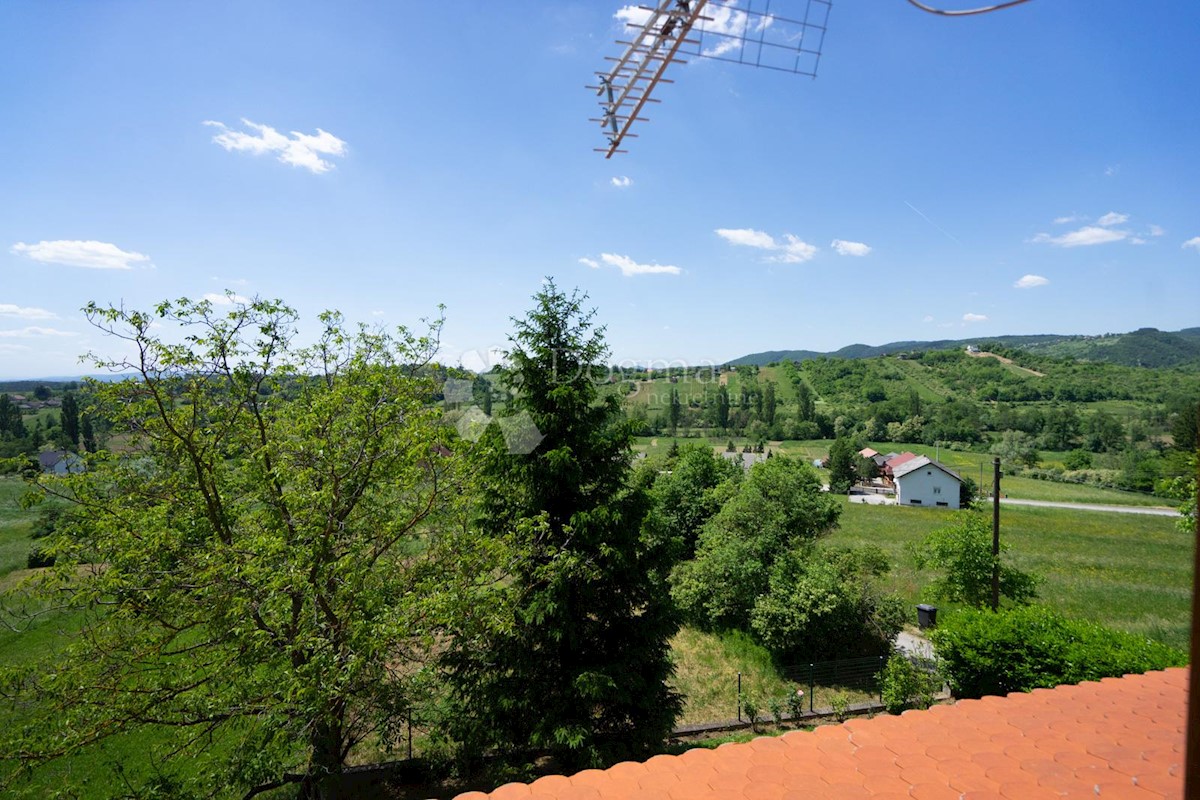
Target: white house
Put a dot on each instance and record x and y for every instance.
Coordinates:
(921, 481)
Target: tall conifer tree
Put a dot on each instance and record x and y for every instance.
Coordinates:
(582, 672)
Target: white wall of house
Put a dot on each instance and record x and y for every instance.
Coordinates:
(927, 486)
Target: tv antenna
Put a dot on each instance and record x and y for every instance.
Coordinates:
(736, 31)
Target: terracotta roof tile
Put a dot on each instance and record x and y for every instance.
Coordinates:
(1117, 738)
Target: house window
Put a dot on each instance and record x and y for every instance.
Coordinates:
(937, 490)
(942, 503)
(915, 502)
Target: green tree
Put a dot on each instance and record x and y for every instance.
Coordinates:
(88, 435)
(824, 603)
(962, 553)
(10, 419)
(481, 393)
(278, 553)
(777, 507)
(675, 409)
(841, 465)
(722, 408)
(768, 411)
(1185, 429)
(1016, 448)
(693, 491)
(70, 418)
(582, 670)
(805, 405)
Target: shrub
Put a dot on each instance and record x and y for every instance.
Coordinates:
(750, 708)
(839, 701)
(776, 706)
(905, 685)
(1021, 649)
(795, 704)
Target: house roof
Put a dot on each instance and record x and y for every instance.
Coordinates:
(921, 461)
(867, 452)
(900, 459)
(1116, 738)
(48, 458)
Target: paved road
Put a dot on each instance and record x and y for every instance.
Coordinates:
(1157, 511)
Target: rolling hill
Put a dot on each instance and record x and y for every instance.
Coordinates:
(1145, 347)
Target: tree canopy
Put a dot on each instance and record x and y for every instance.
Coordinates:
(265, 568)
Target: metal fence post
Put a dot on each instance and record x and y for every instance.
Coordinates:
(810, 688)
(739, 697)
(881, 665)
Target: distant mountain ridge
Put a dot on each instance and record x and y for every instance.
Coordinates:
(1145, 347)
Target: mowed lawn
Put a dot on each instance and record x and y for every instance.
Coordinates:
(1127, 571)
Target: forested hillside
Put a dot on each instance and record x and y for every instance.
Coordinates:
(1104, 423)
(1145, 347)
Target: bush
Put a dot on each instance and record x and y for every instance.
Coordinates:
(776, 705)
(905, 685)
(750, 708)
(1021, 649)
(839, 701)
(795, 704)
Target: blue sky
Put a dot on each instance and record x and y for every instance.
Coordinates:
(1029, 171)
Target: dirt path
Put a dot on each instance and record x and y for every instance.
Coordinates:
(1009, 361)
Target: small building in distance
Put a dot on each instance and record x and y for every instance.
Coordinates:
(921, 481)
(60, 462)
(745, 460)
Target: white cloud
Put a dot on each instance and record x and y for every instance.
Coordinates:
(10, 310)
(1157, 230)
(1113, 218)
(928, 318)
(622, 182)
(632, 15)
(33, 332)
(1137, 240)
(301, 150)
(590, 262)
(1109, 171)
(89, 254)
(1067, 219)
(378, 313)
(747, 237)
(630, 267)
(1087, 235)
(225, 299)
(792, 250)
(733, 25)
(1194, 242)
(1030, 281)
(969, 317)
(845, 248)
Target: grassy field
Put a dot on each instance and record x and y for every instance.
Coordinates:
(1127, 571)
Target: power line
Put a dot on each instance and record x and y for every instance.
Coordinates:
(967, 11)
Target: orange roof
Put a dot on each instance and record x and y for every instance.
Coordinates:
(1117, 738)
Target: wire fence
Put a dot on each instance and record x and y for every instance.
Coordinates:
(811, 688)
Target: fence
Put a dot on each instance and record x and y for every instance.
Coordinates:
(825, 685)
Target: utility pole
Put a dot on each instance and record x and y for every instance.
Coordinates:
(996, 533)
